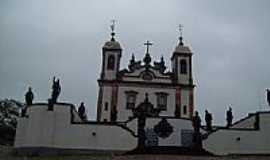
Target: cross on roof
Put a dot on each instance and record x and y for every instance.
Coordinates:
(181, 29)
(112, 28)
(147, 44)
(113, 24)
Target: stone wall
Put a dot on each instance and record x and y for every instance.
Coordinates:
(241, 140)
(179, 126)
(56, 129)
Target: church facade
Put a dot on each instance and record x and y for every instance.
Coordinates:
(141, 109)
(121, 91)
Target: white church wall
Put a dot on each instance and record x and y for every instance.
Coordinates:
(265, 121)
(183, 78)
(264, 140)
(106, 98)
(173, 65)
(54, 129)
(110, 74)
(76, 117)
(185, 102)
(178, 126)
(124, 114)
(38, 130)
(245, 123)
(133, 125)
(241, 141)
(95, 137)
(21, 131)
(225, 142)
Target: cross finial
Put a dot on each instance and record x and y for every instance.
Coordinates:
(147, 44)
(181, 29)
(181, 35)
(113, 28)
(113, 24)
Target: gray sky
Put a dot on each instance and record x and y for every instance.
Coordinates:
(229, 39)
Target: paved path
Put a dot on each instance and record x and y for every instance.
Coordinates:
(176, 157)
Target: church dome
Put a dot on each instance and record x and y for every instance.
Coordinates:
(182, 49)
(112, 45)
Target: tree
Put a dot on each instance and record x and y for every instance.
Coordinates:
(9, 112)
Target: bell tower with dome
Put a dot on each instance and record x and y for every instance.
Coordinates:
(107, 97)
(181, 61)
(111, 55)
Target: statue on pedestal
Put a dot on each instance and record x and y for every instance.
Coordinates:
(29, 97)
(81, 111)
(229, 117)
(56, 90)
(208, 120)
(197, 137)
(196, 120)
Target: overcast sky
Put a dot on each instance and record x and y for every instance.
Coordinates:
(229, 39)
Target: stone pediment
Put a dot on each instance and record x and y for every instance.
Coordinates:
(148, 72)
(145, 73)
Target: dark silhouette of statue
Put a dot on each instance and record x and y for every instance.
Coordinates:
(196, 120)
(144, 110)
(56, 90)
(268, 96)
(29, 97)
(197, 137)
(208, 120)
(141, 131)
(81, 111)
(257, 121)
(229, 117)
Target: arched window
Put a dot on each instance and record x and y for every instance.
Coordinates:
(110, 64)
(183, 66)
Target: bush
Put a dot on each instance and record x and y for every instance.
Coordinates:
(9, 112)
